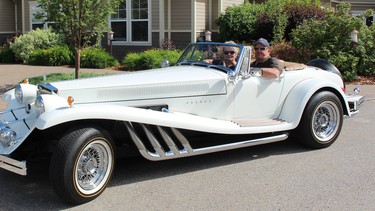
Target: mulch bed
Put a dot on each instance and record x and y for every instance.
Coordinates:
(364, 80)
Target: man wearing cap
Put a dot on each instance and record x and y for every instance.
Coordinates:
(269, 66)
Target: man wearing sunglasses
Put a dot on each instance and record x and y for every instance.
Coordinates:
(269, 66)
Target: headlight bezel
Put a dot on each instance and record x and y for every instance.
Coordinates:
(18, 94)
(25, 93)
(8, 136)
(39, 105)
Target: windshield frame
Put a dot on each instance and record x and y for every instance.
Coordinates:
(198, 46)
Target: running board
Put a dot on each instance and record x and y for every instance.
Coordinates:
(187, 150)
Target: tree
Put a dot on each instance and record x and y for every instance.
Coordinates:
(80, 21)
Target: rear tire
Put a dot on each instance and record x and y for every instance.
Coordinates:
(321, 121)
(82, 164)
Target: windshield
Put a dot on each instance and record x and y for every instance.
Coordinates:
(223, 56)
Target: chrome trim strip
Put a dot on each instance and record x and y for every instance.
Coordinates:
(139, 144)
(183, 140)
(241, 144)
(187, 150)
(15, 166)
(154, 142)
(169, 141)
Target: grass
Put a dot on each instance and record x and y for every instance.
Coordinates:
(52, 77)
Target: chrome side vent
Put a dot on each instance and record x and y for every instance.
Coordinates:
(159, 153)
(164, 146)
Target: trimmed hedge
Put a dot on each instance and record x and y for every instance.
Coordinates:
(94, 57)
(54, 56)
(150, 59)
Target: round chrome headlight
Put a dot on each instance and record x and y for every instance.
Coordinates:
(18, 93)
(7, 136)
(25, 93)
(39, 105)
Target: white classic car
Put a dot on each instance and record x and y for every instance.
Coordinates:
(189, 109)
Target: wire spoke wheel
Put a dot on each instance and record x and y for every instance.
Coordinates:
(321, 121)
(92, 167)
(325, 121)
(82, 164)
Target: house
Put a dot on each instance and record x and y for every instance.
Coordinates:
(137, 24)
(357, 7)
(142, 24)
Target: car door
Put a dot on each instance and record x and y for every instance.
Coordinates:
(254, 96)
(257, 97)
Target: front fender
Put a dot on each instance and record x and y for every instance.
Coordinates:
(298, 97)
(140, 115)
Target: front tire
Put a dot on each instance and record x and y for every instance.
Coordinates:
(82, 164)
(321, 121)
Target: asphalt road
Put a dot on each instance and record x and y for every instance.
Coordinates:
(279, 176)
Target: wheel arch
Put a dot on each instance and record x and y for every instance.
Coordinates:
(297, 99)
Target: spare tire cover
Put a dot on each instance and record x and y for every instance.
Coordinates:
(325, 65)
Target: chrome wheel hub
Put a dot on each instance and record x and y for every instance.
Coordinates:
(93, 167)
(325, 121)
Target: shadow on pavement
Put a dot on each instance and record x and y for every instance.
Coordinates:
(35, 192)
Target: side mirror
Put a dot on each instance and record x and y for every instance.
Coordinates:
(232, 76)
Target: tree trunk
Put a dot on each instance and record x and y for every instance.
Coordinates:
(78, 63)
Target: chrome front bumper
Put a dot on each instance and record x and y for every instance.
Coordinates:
(15, 166)
(354, 102)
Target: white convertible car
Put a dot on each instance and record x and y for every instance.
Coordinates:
(172, 112)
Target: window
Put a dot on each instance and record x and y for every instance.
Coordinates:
(35, 22)
(131, 22)
(370, 20)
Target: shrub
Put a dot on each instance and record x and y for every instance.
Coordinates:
(297, 13)
(97, 58)
(237, 23)
(272, 20)
(6, 55)
(54, 56)
(153, 58)
(285, 51)
(167, 44)
(24, 45)
(150, 59)
(365, 51)
(133, 61)
(329, 39)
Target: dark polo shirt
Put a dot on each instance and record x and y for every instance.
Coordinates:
(271, 62)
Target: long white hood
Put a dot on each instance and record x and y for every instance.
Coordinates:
(179, 81)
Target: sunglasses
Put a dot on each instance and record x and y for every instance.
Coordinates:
(260, 48)
(227, 52)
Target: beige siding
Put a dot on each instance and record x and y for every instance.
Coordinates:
(229, 3)
(155, 14)
(202, 15)
(180, 15)
(7, 16)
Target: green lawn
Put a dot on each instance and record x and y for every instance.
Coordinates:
(59, 77)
